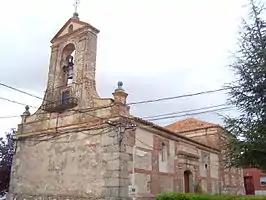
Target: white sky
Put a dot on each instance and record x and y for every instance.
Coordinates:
(158, 48)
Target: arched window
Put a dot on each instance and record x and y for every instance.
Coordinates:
(206, 166)
(164, 152)
(70, 28)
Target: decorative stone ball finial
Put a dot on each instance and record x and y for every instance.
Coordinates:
(25, 114)
(120, 84)
(76, 15)
(27, 111)
(119, 87)
(120, 96)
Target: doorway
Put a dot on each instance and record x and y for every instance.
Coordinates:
(187, 181)
(249, 186)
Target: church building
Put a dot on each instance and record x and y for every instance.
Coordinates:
(78, 145)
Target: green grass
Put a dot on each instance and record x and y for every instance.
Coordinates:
(181, 196)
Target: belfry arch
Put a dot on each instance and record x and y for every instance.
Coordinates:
(68, 64)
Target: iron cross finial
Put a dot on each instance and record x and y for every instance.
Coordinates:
(76, 5)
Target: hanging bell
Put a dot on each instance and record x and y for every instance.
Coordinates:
(70, 60)
(70, 64)
(70, 72)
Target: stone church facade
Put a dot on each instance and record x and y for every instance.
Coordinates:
(78, 145)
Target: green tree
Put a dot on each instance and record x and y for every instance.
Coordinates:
(6, 155)
(247, 143)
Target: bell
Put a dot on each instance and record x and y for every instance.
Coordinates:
(70, 72)
(70, 60)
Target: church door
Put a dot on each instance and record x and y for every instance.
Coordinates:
(187, 177)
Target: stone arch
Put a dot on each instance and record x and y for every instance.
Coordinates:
(68, 50)
(188, 177)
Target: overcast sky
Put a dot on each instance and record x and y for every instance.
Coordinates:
(158, 48)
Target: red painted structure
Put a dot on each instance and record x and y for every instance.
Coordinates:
(254, 181)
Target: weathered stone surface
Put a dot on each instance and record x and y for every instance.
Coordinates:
(143, 160)
(111, 191)
(51, 197)
(115, 174)
(59, 165)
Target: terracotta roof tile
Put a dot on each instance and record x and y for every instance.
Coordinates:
(190, 124)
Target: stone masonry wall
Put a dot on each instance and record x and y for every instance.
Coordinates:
(84, 86)
(76, 165)
(75, 153)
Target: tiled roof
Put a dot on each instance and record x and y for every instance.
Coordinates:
(189, 124)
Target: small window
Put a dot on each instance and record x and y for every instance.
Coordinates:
(65, 97)
(206, 166)
(70, 29)
(164, 152)
(263, 180)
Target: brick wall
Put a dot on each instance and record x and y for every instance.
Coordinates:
(206, 136)
(205, 165)
(256, 174)
(154, 175)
